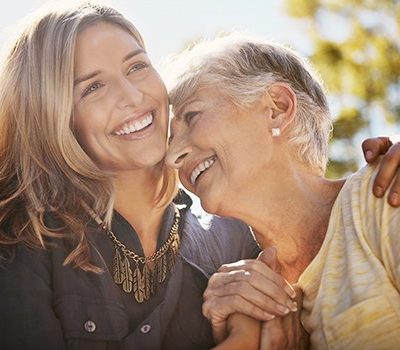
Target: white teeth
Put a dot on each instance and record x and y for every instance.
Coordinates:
(135, 125)
(200, 168)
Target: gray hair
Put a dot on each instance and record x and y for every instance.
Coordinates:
(241, 68)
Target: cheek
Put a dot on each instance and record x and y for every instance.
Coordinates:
(86, 129)
(91, 116)
(203, 134)
(156, 87)
(79, 127)
(183, 181)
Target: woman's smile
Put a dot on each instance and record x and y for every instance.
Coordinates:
(135, 124)
(200, 169)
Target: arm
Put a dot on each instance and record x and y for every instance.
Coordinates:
(285, 332)
(28, 320)
(249, 287)
(390, 149)
(244, 333)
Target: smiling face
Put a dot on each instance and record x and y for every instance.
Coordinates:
(120, 102)
(218, 149)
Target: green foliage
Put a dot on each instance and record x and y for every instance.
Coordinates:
(363, 68)
(348, 123)
(302, 8)
(337, 167)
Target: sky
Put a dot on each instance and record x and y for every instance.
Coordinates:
(168, 24)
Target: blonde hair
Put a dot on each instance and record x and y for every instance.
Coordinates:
(43, 169)
(241, 68)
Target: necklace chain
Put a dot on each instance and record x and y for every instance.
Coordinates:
(142, 279)
(156, 255)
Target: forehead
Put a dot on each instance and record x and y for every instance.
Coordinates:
(92, 33)
(204, 97)
(103, 40)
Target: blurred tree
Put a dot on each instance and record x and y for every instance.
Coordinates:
(356, 49)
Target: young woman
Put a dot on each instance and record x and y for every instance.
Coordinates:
(250, 138)
(95, 253)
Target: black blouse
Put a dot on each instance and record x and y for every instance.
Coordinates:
(45, 305)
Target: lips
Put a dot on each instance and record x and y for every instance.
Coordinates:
(201, 168)
(135, 124)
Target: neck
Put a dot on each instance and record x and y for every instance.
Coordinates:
(135, 194)
(289, 212)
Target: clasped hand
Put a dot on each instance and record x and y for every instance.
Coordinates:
(256, 289)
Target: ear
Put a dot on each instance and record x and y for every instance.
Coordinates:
(282, 103)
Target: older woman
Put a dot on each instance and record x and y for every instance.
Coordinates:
(250, 138)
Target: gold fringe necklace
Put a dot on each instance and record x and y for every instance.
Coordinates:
(144, 278)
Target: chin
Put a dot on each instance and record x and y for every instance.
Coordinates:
(154, 158)
(210, 206)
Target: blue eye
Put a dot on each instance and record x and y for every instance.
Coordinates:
(137, 66)
(188, 116)
(91, 88)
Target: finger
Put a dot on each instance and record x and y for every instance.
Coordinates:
(268, 257)
(258, 266)
(266, 285)
(394, 194)
(217, 309)
(219, 330)
(245, 264)
(273, 335)
(277, 305)
(388, 168)
(375, 146)
(222, 278)
(299, 294)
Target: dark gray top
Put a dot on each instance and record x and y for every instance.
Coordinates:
(45, 305)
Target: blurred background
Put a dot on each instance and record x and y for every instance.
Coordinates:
(354, 44)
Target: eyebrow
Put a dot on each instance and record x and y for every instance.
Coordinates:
(86, 77)
(93, 74)
(133, 53)
(178, 115)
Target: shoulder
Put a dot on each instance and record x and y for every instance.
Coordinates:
(210, 227)
(27, 264)
(217, 228)
(357, 195)
(211, 241)
(373, 218)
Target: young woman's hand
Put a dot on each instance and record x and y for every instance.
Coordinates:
(389, 148)
(250, 287)
(285, 332)
(243, 332)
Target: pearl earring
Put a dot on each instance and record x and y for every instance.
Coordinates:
(276, 132)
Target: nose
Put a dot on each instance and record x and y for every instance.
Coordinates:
(177, 152)
(128, 94)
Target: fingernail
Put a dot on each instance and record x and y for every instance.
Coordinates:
(290, 291)
(394, 199)
(268, 316)
(292, 305)
(368, 155)
(283, 310)
(379, 191)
